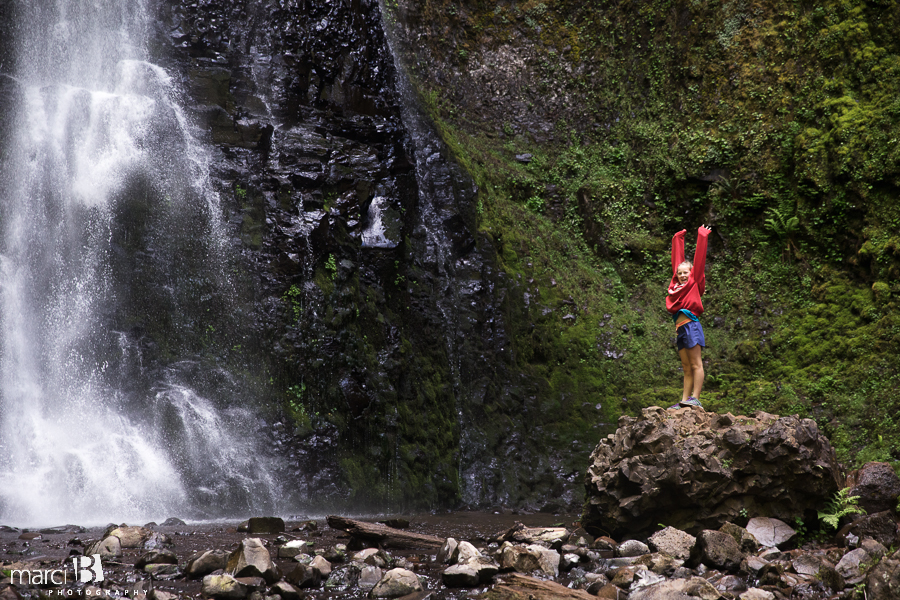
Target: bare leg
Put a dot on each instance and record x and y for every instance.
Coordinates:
(696, 365)
(688, 373)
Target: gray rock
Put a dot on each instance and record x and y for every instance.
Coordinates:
(757, 594)
(204, 563)
(369, 577)
(286, 591)
(343, 578)
(252, 559)
(770, 532)
(372, 556)
(877, 485)
(445, 554)
(293, 548)
(162, 571)
(809, 564)
(157, 541)
(265, 525)
(673, 542)
(548, 560)
(304, 576)
(465, 552)
(156, 557)
(336, 554)
(322, 565)
(659, 563)
(718, 550)
(109, 548)
(460, 576)
(224, 587)
(396, 583)
(517, 558)
(747, 543)
(849, 566)
(632, 548)
(130, 537)
(680, 589)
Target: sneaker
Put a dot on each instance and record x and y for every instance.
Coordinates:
(691, 401)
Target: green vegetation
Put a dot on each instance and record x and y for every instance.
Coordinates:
(842, 505)
(775, 122)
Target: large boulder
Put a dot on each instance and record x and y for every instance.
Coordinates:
(697, 470)
(877, 485)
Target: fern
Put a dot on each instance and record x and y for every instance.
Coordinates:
(842, 505)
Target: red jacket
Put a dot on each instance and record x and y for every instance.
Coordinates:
(688, 296)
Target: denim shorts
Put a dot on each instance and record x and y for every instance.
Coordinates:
(689, 335)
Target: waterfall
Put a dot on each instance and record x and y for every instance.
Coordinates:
(114, 268)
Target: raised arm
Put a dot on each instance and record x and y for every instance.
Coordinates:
(700, 259)
(678, 250)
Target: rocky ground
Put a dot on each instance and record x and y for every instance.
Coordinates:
(458, 555)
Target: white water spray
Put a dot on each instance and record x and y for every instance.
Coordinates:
(97, 132)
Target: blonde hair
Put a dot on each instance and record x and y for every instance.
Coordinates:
(685, 262)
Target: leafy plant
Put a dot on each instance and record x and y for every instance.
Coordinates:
(785, 227)
(331, 266)
(842, 505)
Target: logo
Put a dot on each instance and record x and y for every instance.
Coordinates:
(88, 569)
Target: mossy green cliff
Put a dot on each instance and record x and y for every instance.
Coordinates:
(596, 130)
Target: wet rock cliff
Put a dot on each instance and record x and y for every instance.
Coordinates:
(378, 309)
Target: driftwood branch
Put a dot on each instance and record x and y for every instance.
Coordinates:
(383, 535)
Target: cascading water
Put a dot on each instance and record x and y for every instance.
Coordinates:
(114, 267)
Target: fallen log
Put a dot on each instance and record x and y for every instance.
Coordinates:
(523, 587)
(384, 536)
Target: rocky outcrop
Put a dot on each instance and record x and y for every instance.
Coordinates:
(877, 485)
(696, 470)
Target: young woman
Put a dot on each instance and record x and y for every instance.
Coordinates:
(684, 304)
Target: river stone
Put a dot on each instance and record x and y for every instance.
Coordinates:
(632, 548)
(304, 576)
(343, 578)
(322, 565)
(204, 563)
(770, 532)
(568, 561)
(809, 564)
(252, 559)
(109, 548)
(336, 554)
(548, 560)
(131, 537)
(156, 557)
(517, 558)
(659, 563)
(224, 586)
(666, 466)
(686, 589)
(718, 550)
(533, 535)
(372, 556)
(445, 554)
(673, 542)
(460, 576)
(157, 541)
(877, 485)
(293, 548)
(369, 577)
(465, 552)
(286, 591)
(744, 538)
(757, 594)
(162, 571)
(396, 583)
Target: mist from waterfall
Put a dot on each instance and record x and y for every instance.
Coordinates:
(113, 251)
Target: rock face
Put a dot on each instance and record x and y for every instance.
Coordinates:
(696, 470)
